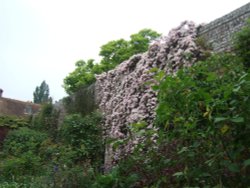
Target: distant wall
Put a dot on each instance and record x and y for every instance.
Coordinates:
(219, 32)
(11, 107)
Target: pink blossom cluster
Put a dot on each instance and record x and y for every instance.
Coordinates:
(123, 95)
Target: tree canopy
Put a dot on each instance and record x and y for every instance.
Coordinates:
(41, 93)
(139, 42)
(84, 74)
(113, 53)
(117, 51)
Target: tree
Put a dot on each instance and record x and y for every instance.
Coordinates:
(84, 74)
(113, 53)
(41, 94)
(140, 41)
(117, 51)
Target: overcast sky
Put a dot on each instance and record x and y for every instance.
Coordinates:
(42, 39)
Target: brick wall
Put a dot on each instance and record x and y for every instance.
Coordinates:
(11, 107)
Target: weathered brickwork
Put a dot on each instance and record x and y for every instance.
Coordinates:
(219, 33)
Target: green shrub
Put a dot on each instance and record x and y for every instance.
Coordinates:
(84, 134)
(116, 179)
(13, 122)
(8, 185)
(59, 154)
(23, 140)
(242, 44)
(47, 120)
(26, 181)
(204, 113)
(75, 176)
(26, 164)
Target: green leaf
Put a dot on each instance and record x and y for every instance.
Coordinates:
(159, 76)
(219, 119)
(237, 120)
(204, 174)
(224, 129)
(178, 174)
(183, 150)
(139, 125)
(155, 69)
(211, 76)
(210, 162)
(166, 161)
(246, 163)
(243, 76)
(236, 89)
(233, 167)
(155, 88)
(196, 144)
(117, 144)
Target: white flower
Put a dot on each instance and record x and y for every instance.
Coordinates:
(122, 94)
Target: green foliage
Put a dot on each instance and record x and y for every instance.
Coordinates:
(242, 44)
(139, 42)
(205, 46)
(23, 140)
(82, 101)
(202, 131)
(84, 134)
(117, 51)
(24, 181)
(20, 158)
(205, 109)
(30, 158)
(65, 167)
(115, 179)
(62, 155)
(41, 94)
(26, 164)
(112, 53)
(84, 74)
(47, 120)
(13, 122)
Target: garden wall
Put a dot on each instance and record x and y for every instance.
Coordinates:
(219, 33)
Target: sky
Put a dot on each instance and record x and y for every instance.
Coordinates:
(42, 39)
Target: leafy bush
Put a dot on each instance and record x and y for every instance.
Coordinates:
(204, 112)
(75, 176)
(23, 140)
(13, 122)
(59, 154)
(115, 179)
(242, 44)
(63, 167)
(32, 155)
(84, 134)
(47, 120)
(26, 164)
